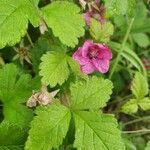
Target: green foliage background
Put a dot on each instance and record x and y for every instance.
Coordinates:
(90, 112)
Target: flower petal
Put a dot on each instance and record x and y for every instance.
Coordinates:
(88, 68)
(86, 46)
(105, 52)
(80, 59)
(77, 54)
(102, 65)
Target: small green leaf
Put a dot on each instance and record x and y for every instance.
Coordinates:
(96, 131)
(117, 7)
(93, 93)
(130, 107)
(139, 86)
(54, 68)
(101, 32)
(14, 20)
(141, 39)
(49, 128)
(144, 103)
(66, 22)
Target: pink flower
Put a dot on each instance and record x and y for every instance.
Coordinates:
(93, 57)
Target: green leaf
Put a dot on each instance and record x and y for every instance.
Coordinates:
(101, 32)
(117, 7)
(144, 103)
(139, 86)
(140, 12)
(66, 22)
(35, 2)
(91, 94)
(54, 68)
(147, 146)
(96, 131)
(14, 91)
(141, 39)
(133, 58)
(140, 89)
(49, 128)
(129, 145)
(12, 147)
(130, 107)
(41, 47)
(56, 64)
(129, 55)
(14, 20)
(75, 67)
(11, 134)
(139, 142)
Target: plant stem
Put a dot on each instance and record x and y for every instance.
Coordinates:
(137, 131)
(30, 40)
(137, 120)
(122, 48)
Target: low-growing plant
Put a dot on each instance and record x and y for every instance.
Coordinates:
(66, 71)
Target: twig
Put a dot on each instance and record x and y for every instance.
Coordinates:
(137, 120)
(30, 40)
(137, 131)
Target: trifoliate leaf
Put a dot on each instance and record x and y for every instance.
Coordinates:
(48, 128)
(141, 39)
(101, 32)
(66, 22)
(96, 131)
(144, 103)
(14, 91)
(54, 68)
(130, 107)
(94, 93)
(11, 134)
(139, 86)
(14, 20)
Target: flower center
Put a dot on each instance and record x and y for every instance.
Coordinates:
(93, 53)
